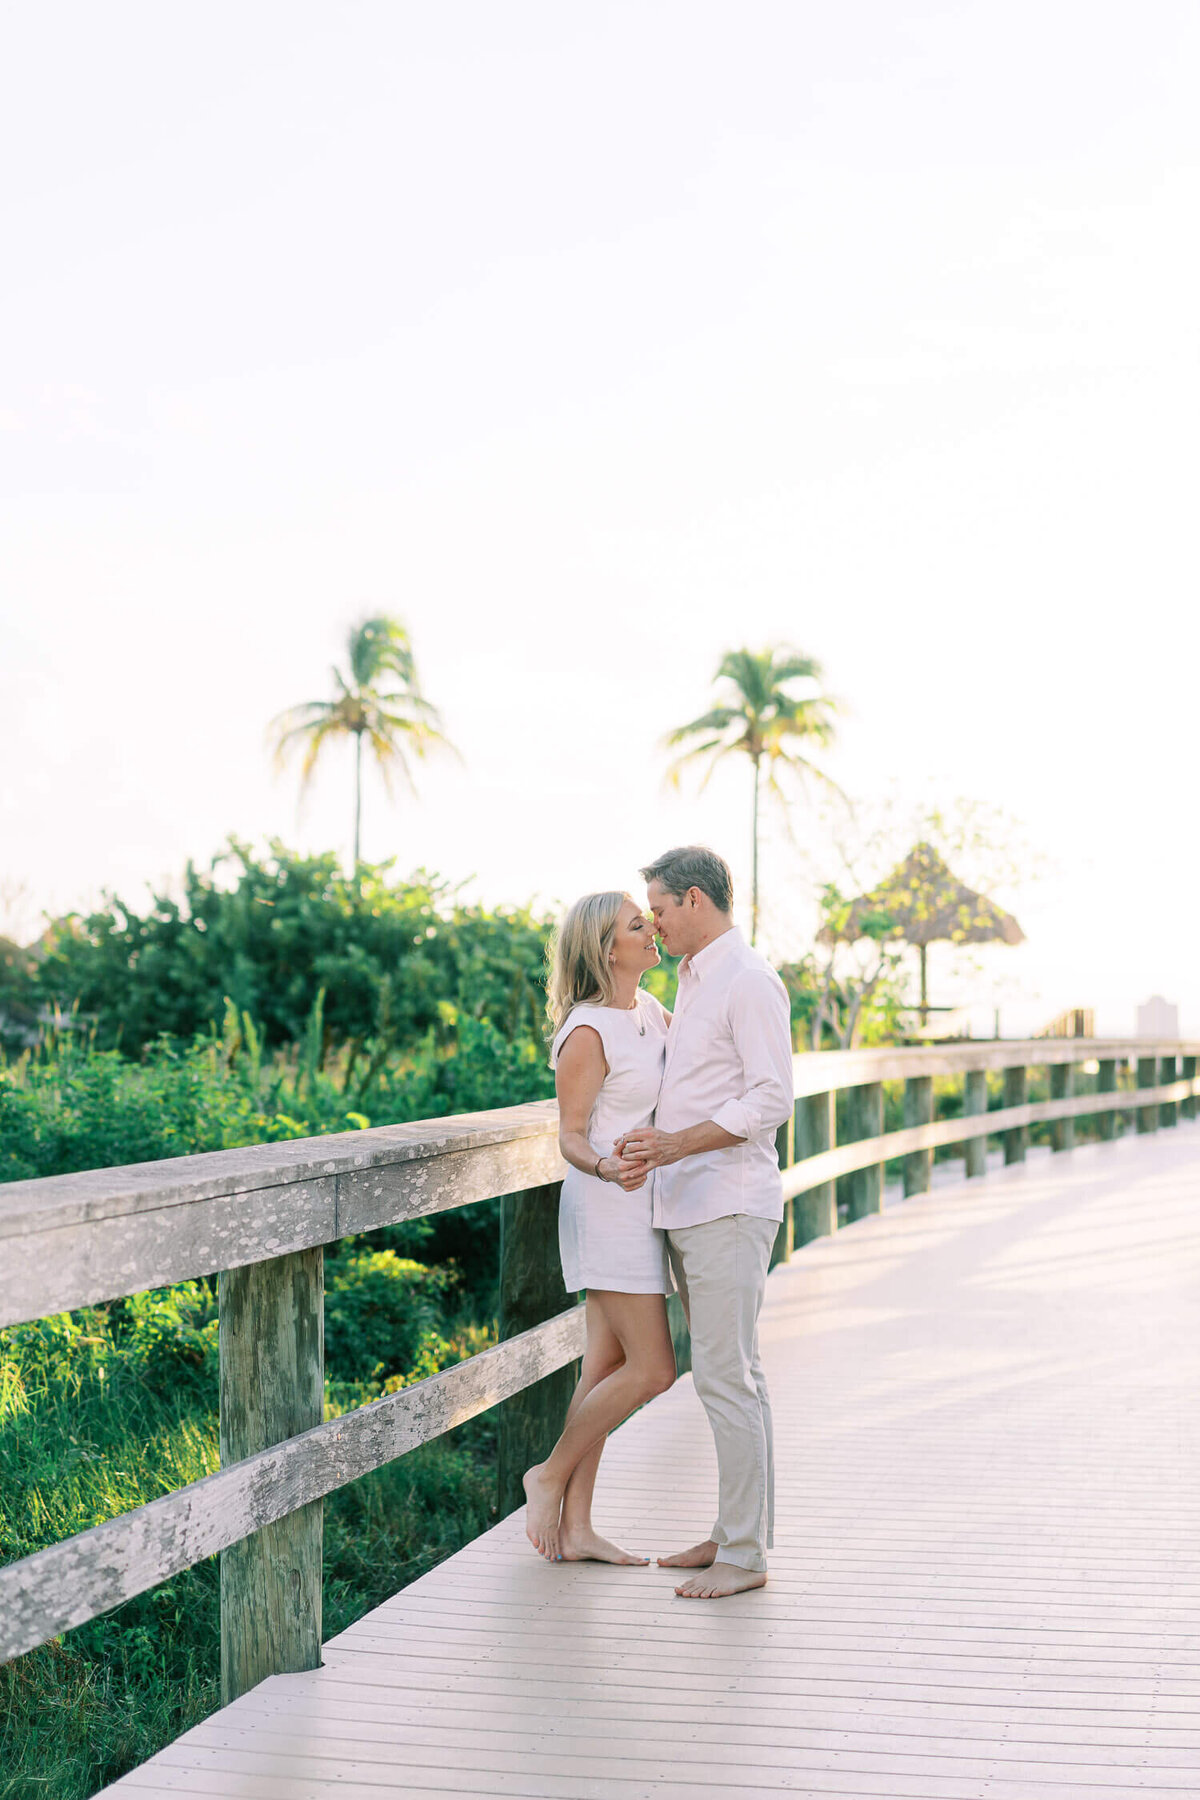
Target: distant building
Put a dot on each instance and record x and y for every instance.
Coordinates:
(1158, 1018)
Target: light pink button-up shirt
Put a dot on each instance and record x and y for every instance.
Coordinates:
(729, 1059)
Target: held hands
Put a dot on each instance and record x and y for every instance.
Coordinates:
(622, 1172)
(649, 1149)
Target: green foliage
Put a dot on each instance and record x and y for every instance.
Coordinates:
(268, 933)
(18, 993)
(69, 1106)
(107, 1408)
(381, 1312)
(100, 1412)
(854, 995)
(376, 1003)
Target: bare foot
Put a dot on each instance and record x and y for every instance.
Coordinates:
(724, 1578)
(700, 1556)
(543, 1503)
(589, 1546)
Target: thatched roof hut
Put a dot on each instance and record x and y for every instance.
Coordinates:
(922, 902)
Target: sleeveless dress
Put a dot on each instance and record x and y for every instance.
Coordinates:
(605, 1236)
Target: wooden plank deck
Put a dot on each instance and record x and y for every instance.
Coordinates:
(986, 1582)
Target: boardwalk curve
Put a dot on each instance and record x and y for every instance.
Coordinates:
(986, 1581)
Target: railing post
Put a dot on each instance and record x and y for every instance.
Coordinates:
(865, 1120)
(1168, 1112)
(1147, 1077)
(1062, 1086)
(1188, 1073)
(1016, 1138)
(815, 1212)
(531, 1291)
(1106, 1083)
(975, 1102)
(785, 1236)
(918, 1110)
(271, 1337)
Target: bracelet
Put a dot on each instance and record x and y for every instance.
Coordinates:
(596, 1171)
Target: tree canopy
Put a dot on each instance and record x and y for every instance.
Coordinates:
(269, 932)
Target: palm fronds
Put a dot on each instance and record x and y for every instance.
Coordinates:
(377, 701)
(760, 716)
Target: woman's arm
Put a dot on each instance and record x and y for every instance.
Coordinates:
(578, 1079)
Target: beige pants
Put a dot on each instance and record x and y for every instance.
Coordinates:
(720, 1270)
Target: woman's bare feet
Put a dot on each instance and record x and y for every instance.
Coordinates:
(589, 1546)
(700, 1556)
(722, 1579)
(543, 1504)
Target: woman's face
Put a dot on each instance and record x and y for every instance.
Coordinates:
(633, 947)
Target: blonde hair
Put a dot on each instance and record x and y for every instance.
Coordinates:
(578, 956)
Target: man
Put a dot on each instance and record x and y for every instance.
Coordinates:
(727, 1087)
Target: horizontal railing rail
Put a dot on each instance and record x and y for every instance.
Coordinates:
(78, 1240)
(258, 1218)
(74, 1581)
(941, 1133)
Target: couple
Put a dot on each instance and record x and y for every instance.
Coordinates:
(668, 1123)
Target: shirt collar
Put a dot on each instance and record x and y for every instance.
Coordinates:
(703, 962)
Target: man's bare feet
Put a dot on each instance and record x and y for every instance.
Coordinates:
(589, 1546)
(722, 1579)
(543, 1504)
(700, 1556)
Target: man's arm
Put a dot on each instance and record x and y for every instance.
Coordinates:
(760, 1020)
(655, 1148)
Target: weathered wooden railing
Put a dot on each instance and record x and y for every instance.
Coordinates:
(261, 1216)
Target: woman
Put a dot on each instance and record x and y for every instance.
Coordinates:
(608, 1051)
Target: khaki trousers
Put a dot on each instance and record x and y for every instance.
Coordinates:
(720, 1270)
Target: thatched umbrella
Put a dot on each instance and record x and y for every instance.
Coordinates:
(922, 902)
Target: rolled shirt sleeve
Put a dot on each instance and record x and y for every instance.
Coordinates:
(760, 1021)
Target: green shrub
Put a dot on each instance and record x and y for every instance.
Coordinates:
(107, 1408)
(268, 932)
(381, 1313)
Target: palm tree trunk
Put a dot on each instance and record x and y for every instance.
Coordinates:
(358, 738)
(754, 865)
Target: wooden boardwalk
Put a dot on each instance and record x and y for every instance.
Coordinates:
(986, 1581)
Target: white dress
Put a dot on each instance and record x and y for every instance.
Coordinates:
(605, 1236)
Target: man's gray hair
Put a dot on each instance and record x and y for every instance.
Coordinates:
(693, 866)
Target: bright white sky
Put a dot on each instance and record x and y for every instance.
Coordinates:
(594, 341)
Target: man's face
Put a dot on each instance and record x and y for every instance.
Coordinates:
(670, 918)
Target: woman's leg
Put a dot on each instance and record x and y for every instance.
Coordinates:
(577, 1541)
(637, 1323)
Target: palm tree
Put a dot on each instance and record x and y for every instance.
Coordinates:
(757, 716)
(378, 699)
